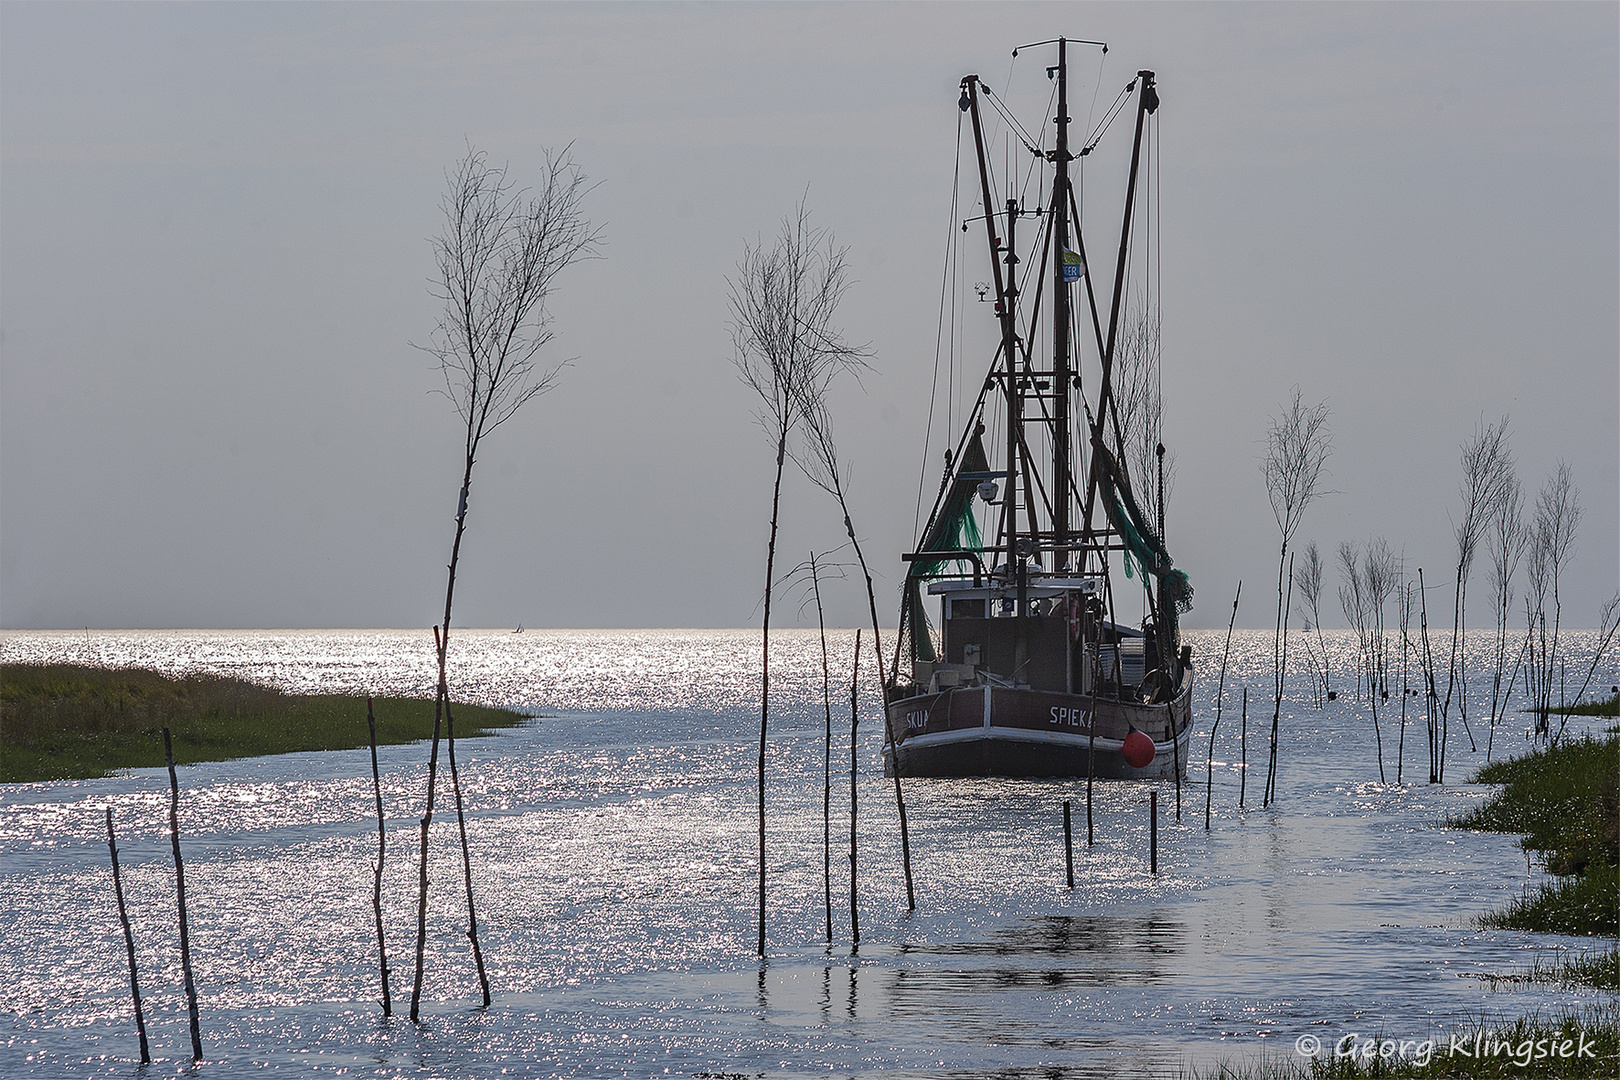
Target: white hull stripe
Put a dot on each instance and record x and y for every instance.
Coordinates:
(1026, 735)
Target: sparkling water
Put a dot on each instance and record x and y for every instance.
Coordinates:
(614, 857)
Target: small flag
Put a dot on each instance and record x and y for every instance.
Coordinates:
(1074, 267)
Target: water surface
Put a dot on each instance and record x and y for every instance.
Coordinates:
(613, 844)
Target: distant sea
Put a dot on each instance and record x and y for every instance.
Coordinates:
(614, 861)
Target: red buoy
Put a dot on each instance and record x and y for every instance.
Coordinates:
(1138, 750)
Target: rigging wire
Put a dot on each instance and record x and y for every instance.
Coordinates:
(947, 285)
(1017, 129)
(1113, 111)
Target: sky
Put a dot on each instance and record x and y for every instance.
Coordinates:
(215, 266)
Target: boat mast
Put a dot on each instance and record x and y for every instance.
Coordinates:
(1006, 297)
(1060, 319)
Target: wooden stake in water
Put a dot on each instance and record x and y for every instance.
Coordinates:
(180, 890)
(1243, 745)
(466, 855)
(1220, 690)
(1153, 832)
(129, 941)
(1091, 742)
(854, 721)
(1068, 842)
(1209, 769)
(377, 870)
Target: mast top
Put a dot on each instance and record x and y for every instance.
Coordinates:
(1072, 41)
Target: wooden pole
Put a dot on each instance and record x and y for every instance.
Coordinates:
(466, 855)
(1153, 832)
(1175, 758)
(1068, 842)
(129, 941)
(377, 876)
(1091, 724)
(180, 890)
(1243, 744)
(1209, 770)
(854, 721)
(1220, 690)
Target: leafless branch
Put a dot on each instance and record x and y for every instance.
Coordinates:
(498, 257)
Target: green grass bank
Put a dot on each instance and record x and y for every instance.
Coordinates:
(1566, 799)
(68, 722)
(1609, 706)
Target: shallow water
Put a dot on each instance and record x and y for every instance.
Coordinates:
(613, 841)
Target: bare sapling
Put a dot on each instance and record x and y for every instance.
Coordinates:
(1353, 602)
(1356, 601)
(1487, 466)
(820, 464)
(1557, 515)
(1506, 538)
(1271, 767)
(783, 300)
(1431, 694)
(1298, 444)
(129, 942)
(1382, 572)
(1404, 610)
(1308, 580)
(497, 259)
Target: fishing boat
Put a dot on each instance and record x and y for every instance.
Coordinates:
(1056, 479)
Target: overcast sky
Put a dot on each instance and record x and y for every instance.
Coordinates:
(214, 258)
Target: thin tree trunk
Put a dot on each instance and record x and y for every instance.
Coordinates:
(765, 674)
(422, 881)
(382, 848)
(1276, 671)
(854, 722)
(129, 941)
(1321, 642)
(466, 855)
(1400, 746)
(1431, 694)
(1284, 608)
(180, 891)
(826, 757)
(442, 647)
(1378, 737)
(883, 696)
